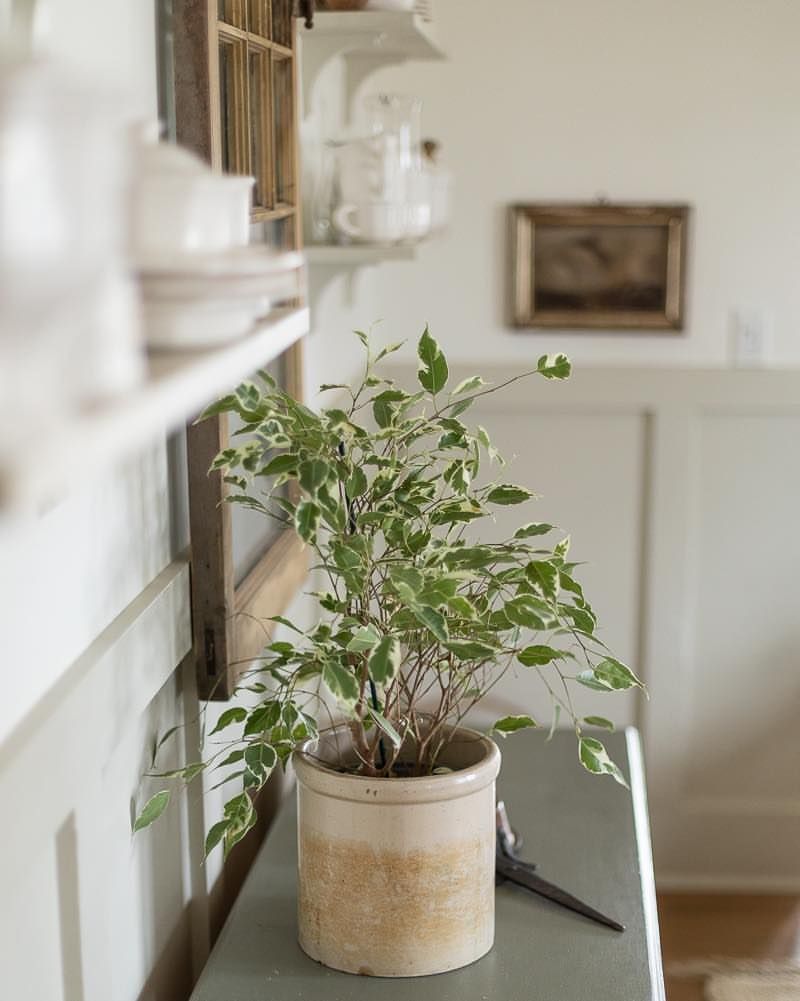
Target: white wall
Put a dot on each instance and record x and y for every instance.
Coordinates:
(631, 99)
(95, 620)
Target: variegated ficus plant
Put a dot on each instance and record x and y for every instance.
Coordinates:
(421, 616)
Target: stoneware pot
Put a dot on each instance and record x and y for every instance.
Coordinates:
(396, 875)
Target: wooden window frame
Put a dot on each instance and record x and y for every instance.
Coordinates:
(229, 621)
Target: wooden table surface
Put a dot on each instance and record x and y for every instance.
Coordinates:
(587, 834)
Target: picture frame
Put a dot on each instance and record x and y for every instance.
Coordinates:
(598, 266)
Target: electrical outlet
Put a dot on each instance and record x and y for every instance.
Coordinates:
(751, 337)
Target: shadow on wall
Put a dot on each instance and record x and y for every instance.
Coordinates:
(69, 909)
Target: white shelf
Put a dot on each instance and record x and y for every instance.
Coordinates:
(400, 33)
(177, 387)
(358, 255)
(326, 263)
(369, 40)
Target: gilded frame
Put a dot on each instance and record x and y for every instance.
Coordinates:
(527, 313)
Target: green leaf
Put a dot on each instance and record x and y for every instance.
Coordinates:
(462, 606)
(223, 406)
(538, 656)
(152, 810)
(510, 724)
(544, 577)
(215, 835)
(389, 349)
(260, 759)
(306, 520)
(528, 611)
(313, 473)
(364, 639)
(507, 493)
(457, 475)
(452, 513)
(234, 715)
(582, 618)
(600, 721)
(240, 818)
(615, 675)
(588, 680)
(407, 578)
(262, 718)
(554, 366)
(341, 682)
(384, 661)
(384, 406)
(433, 621)
(286, 463)
(594, 758)
(562, 548)
(438, 592)
(356, 483)
(532, 529)
(283, 621)
(457, 408)
(386, 726)
(471, 649)
(233, 758)
(433, 371)
(467, 386)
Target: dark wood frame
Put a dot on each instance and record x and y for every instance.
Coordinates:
(229, 621)
(523, 222)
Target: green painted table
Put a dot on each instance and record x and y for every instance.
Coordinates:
(588, 834)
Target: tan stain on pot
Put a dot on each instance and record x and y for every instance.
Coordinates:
(429, 900)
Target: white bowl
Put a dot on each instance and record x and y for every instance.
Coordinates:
(190, 324)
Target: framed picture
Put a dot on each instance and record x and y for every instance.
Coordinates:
(598, 266)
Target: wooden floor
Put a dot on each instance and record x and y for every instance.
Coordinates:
(697, 927)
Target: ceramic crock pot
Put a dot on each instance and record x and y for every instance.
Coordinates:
(396, 875)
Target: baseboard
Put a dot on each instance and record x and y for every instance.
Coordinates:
(696, 883)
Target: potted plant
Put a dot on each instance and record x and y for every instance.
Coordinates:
(419, 618)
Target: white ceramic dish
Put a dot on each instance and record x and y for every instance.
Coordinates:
(180, 205)
(167, 287)
(390, 4)
(186, 325)
(237, 262)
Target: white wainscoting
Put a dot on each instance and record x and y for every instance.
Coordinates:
(681, 490)
(88, 911)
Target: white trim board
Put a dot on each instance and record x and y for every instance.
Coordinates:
(62, 738)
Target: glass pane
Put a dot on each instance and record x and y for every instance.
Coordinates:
(283, 113)
(232, 106)
(258, 17)
(253, 532)
(282, 22)
(260, 132)
(277, 233)
(230, 11)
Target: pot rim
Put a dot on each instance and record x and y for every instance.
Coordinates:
(314, 775)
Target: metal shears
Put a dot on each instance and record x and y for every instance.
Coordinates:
(508, 866)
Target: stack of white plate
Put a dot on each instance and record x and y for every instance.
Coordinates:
(201, 300)
(394, 5)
